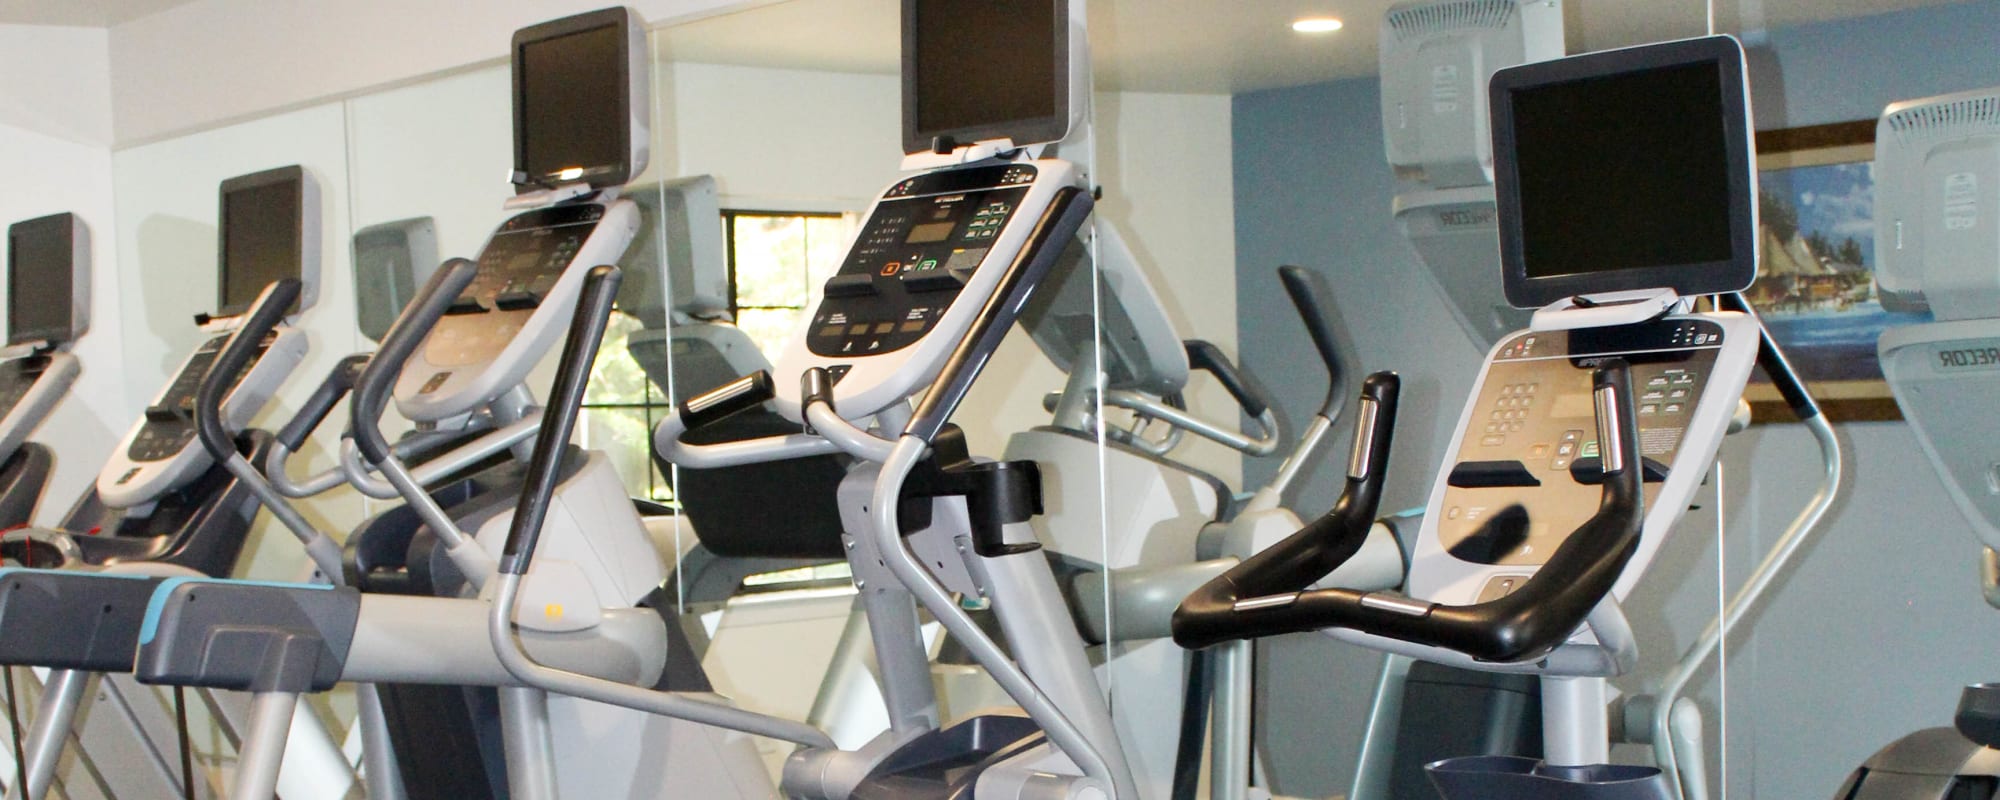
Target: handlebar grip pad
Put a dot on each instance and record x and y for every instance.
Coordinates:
(270, 308)
(719, 403)
(1207, 357)
(579, 354)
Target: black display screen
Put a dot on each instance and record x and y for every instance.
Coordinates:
(1623, 171)
(40, 273)
(261, 226)
(571, 105)
(985, 70)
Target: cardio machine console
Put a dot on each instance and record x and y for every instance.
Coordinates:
(494, 332)
(160, 452)
(1529, 439)
(921, 245)
(919, 254)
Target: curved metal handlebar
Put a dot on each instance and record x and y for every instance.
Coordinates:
(1305, 296)
(339, 381)
(1262, 596)
(1205, 356)
(378, 380)
(586, 332)
(270, 308)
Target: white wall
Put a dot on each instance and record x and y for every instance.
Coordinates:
(167, 210)
(216, 60)
(55, 130)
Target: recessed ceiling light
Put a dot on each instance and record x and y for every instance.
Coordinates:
(1316, 25)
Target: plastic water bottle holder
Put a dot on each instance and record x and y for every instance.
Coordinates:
(1516, 778)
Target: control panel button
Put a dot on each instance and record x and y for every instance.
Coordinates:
(850, 285)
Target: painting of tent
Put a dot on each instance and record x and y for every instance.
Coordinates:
(1815, 275)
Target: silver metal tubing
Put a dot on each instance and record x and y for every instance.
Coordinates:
(474, 561)
(526, 739)
(276, 465)
(667, 442)
(850, 437)
(323, 551)
(903, 563)
(437, 469)
(1229, 745)
(1753, 591)
(901, 663)
(378, 753)
(1575, 729)
(1309, 444)
(263, 749)
(61, 695)
(63, 543)
(500, 631)
(1262, 443)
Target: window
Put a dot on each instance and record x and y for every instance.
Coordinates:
(775, 259)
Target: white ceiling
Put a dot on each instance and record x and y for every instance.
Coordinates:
(90, 13)
(1215, 46)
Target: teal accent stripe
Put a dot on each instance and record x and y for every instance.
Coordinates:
(158, 602)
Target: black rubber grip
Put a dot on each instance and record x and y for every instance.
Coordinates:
(1207, 357)
(1528, 623)
(1772, 358)
(1299, 285)
(266, 312)
(719, 403)
(586, 332)
(1053, 232)
(337, 384)
(378, 380)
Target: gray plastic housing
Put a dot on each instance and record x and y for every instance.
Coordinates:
(247, 636)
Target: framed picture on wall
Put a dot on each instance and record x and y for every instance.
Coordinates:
(1815, 278)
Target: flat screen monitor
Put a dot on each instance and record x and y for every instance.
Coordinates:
(1625, 169)
(580, 100)
(984, 70)
(264, 235)
(390, 260)
(46, 257)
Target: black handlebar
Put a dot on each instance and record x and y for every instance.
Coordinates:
(1772, 358)
(1264, 595)
(586, 332)
(730, 398)
(266, 312)
(1205, 356)
(378, 380)
(1305, 296)
(1052, 233)
(337, 384)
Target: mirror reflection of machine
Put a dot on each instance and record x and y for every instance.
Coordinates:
(162, 505)
(1935, 169)
(1436, 58)
(391, 259)
(48, 309)
(1585, 436)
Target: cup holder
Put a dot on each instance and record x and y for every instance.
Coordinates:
(1516, 778)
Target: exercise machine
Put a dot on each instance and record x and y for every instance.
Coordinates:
(161, 506)
(48, 309)
(1930, 256)
(1585, 436)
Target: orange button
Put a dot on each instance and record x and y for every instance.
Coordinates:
(890, 269)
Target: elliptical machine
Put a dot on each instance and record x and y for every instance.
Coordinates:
(161, 506)
(1929, 256)
(48, 309)
(1513, 571)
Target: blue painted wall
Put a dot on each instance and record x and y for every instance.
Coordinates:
(1879, 624)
